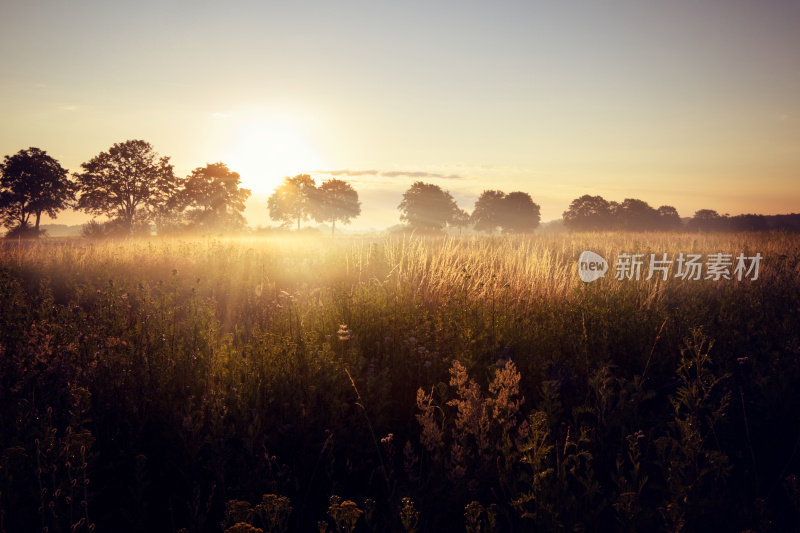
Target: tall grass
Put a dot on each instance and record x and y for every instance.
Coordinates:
(442, 383)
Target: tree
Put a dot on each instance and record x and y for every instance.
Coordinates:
(588, 213)
(427, 208)
(669, 219)
(519, 213)
(32, 183)
(636, 215)
(293, 200)
(461, 220)
(748, 222)
(487, 212)
(130, 184)
(335, 200)
(214, 198)
(705, 220)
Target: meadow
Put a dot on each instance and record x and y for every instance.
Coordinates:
(396, 384)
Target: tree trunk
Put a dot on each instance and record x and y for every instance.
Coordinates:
(333, 226)
(38, 216)
(298, 223)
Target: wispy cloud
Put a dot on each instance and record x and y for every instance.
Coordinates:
(220, 115)
(68, 108)
(403, 174)
(390, 174)
(348, 172)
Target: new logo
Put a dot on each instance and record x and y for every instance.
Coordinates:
(591, 266)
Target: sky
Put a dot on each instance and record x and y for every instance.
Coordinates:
(694, 104)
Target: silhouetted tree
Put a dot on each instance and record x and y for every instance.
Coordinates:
(336, 200)
(487, 212)
(32, 183)
(519, 214)
(748, 222)
(636, 215)
(668, 218)
(588, 213)
(705, 220)
(130, 184)
(461, 220)
(213, 198)
(426, 207)
(293, 200)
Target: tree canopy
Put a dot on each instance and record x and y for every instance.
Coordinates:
(292, 201)
(513, 212)
(588, 213)
(636, 215)
(129, 183)
(519, 213)
(213, 198)
(669, 219)
(487, 214)
(594, 213)
(427, 208)
(32, 183)
(335, 200)
(706, 220)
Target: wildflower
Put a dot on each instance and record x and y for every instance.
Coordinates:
(344, 332)
(344, 513)
(472, 516)
(409, 516)
(432, 431)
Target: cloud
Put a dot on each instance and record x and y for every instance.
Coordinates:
(390, 174)
(348, 172)
(220, 115)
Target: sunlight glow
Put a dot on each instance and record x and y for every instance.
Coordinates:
(268, 149)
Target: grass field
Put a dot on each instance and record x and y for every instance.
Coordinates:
(396, 384)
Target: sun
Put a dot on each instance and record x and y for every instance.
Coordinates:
(266, 150)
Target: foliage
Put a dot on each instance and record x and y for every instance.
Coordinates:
(514, 212)
(436, 384)
(292, 201)
(129, 183)
(488, 210)
(32, 183)
(519, 213)
(460, 220)
(669, 219)
(335, 200)
(637, 215)
(588, 213)
(213, 198)
(427, 208)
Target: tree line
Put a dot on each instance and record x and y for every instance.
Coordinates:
(595, 213)
(130, 184)
(137, 191)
